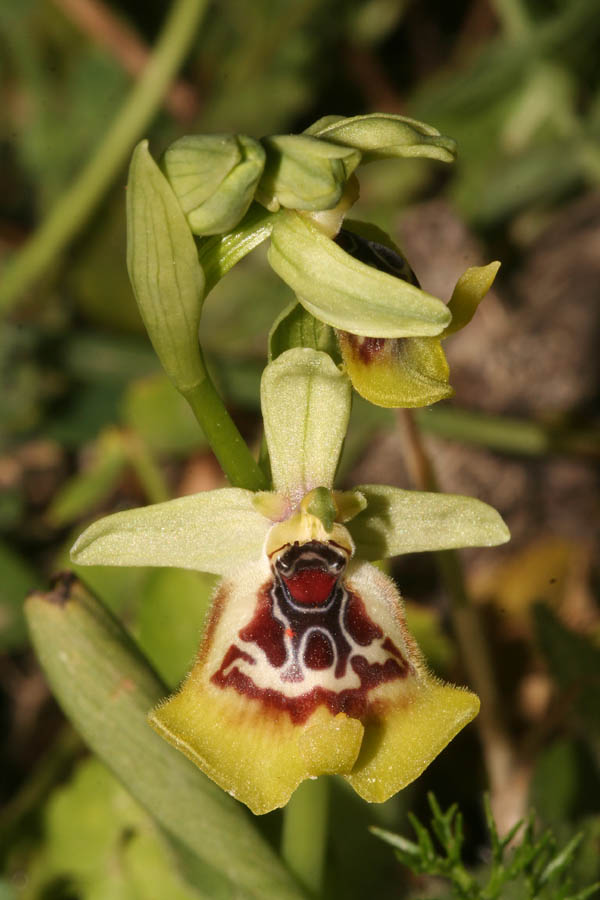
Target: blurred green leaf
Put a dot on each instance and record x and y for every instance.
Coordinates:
(566, 782)
(154, 409)
(425, 626)
(99, 840)
(574, 661)
(171, 619)
(86, 490)
(18, 578)
(106, 687)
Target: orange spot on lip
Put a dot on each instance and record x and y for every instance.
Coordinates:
(288, 632)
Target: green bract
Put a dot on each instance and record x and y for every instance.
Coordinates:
(163, 266)
(214, 177)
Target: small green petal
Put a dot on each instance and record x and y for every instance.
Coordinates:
(271, 505)
(397, 521)
(385, 136)
(406, 372)
(215, 531)
(470, 290)
(295, 327)
(306, 405)
(304, 173)
(214, 178)
(346, 293)
(349, 504)
(163, 266)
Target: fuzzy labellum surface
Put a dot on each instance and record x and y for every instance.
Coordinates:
(307, 668)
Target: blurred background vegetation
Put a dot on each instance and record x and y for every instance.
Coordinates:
(88, 424)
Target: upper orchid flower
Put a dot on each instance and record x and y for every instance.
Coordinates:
(355, 281)
(306, 666)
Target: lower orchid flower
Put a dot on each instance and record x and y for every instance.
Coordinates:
(306, 666)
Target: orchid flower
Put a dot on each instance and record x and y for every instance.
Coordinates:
(306, 666)
(353, 280)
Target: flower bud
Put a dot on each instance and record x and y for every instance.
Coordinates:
(167, 279)
(214, 177)
(302, 172)
(384, 136)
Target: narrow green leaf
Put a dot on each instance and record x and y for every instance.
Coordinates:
(214, 531)
(585, 893)
(82, 493)
(347, 293)
(397, 521)
(306, 405)
(428, 853)
(559, 863)
(396, 840)
(106, 688)
(163, 266)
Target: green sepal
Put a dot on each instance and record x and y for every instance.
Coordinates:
(163, 266)
(214, 177)
(302, 172)
(346, 293)
(398, 372)
(295, 327)
(471, 288)
(306, 406)
(215, 531)
(385, 136)
(397, 521)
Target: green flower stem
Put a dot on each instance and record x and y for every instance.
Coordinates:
(78, 201)
(304, 837)
(498, 752)
(506, 434)
(226, 442)
(220, 253)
